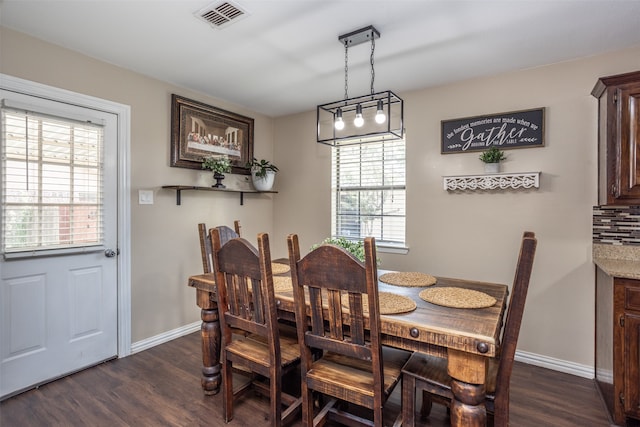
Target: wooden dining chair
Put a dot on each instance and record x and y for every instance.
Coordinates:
(206, 249)
(246, 302)
(429, 374)
(354, 367)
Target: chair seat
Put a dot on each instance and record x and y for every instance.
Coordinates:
(432, 373)
(253, 349)
(344, 377)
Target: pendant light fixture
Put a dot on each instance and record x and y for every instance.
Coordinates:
(367, 118)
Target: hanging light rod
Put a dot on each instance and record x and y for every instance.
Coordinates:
(363, 35)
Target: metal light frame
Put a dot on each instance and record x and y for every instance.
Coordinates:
(371, 131)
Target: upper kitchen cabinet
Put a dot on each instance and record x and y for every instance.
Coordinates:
(619, 139)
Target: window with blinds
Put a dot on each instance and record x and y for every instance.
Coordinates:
(368, 192)
(51, 183)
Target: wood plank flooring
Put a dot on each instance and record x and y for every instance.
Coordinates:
(161, 387)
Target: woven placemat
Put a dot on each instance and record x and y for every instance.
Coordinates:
(457, 297)
(408, 278)
(282, 284)
(389, 303)
(278, 268)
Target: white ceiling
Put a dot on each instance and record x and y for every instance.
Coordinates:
(284, 56)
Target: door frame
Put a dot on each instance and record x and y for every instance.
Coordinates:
(123, 113)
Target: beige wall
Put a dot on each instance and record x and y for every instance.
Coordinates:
(165, 248)
(469, 235)
(476, 235)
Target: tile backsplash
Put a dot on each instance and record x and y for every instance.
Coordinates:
(616, 225)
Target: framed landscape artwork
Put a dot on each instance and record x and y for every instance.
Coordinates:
(199, 130)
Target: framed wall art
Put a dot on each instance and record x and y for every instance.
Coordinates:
(199, 130)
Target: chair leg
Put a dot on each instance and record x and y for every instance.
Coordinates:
(307, 404)
(275, 388)
(408, 400)
(227, 385)
(377, 417)
(426, 406)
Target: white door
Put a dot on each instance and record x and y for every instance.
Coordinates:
(58, 267)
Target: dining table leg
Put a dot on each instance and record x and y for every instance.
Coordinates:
(210, 335)
(468, 372)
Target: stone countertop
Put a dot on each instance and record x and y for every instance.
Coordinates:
(618, 261)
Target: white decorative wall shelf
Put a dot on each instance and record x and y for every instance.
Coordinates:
(493, 181)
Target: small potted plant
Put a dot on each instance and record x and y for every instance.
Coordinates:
(355, 247)
(491, 159)
(263, 174)
(219, 166)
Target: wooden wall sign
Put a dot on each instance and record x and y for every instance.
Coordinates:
(516, 129)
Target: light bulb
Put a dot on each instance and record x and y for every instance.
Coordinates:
(380, 116)
(339, 123)
(358, 121)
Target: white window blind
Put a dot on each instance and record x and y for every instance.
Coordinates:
(51, 182)
(368, 192)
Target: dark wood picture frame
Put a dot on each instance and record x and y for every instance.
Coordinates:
(199, 130)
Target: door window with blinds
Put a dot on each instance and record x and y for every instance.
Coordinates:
(51, 184)
(368, 192)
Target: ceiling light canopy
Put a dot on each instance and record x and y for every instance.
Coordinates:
(367, 118)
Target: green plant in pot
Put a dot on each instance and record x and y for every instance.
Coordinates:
(263, 174)
(219, 166)
(492, 158)
(355, 247)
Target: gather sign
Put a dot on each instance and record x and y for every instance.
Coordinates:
(516, 129)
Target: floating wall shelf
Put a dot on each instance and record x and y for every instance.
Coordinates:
(492, 181)
(180, 188)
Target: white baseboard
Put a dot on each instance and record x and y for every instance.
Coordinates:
(552, 363)
(165, 337)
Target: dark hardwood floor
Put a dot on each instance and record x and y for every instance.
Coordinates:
(161, 387)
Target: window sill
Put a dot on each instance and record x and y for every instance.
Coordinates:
(403, 250)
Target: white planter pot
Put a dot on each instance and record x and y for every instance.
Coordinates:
(492, 167)
(263, 183)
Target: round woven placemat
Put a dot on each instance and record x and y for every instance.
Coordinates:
(389, 303)
(278, 268)
(408, 278)
(457, 297)
(282, 284)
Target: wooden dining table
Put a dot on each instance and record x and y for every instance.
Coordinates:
(467, 338)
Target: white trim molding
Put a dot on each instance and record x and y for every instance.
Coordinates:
(164, 337)
(554, 364)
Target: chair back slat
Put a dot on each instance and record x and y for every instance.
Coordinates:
(317, 315)
(512, 325)
(334, 303)
(357, 322)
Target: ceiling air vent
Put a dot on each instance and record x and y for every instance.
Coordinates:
(221, 14)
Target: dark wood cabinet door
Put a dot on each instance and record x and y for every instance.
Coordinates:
(628, 140)
(632, 365)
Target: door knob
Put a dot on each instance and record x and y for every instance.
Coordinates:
(109, 253)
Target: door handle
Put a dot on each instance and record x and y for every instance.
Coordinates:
(109, 253)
